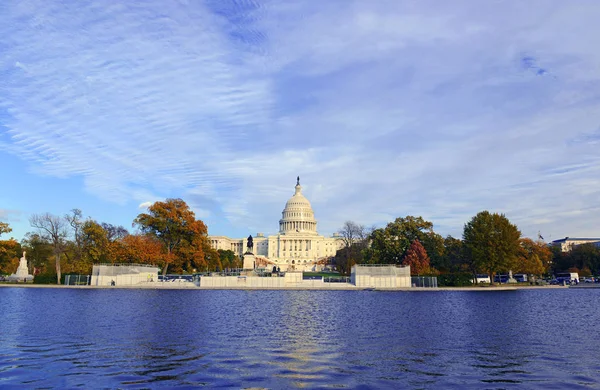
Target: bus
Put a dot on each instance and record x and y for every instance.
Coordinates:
(568, 277)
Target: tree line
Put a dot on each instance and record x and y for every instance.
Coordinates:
(170, 236)
(167, 235)
(490, 244)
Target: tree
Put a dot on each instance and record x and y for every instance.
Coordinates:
(139, 249)
(229, 259)
(175, 225)
(114, 232)
(453, 259)
(351, 233)
(584, 256)
(4, 228)
(6, 249)
(416, 257)
(95, 243)
(53, 229)
(10, 251)
(491, 242)
(534, 257)
(532, 265)
(75, 221)
(389, 244)
(354, 238)
(39, 252)
(196, 252)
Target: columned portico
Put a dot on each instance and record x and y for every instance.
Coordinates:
(297, 245)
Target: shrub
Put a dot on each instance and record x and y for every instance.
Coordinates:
(455, 280)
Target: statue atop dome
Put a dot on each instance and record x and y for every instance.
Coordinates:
(298, 181)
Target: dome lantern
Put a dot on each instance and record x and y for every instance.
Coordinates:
(298, 216)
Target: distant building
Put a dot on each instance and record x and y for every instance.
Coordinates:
(567, 243)
(297, 246)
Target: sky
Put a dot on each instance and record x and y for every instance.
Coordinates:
(383, 108)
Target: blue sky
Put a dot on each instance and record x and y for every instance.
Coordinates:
(384, 109)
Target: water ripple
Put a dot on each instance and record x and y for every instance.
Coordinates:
(307, 339)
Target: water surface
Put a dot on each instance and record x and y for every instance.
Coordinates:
(65, 338)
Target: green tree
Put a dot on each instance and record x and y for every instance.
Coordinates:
(389, 244)
(491, 242)
(453, 259)
(95, 243)
(185, 239)
(229, 259)
(584, 256)
(39, 252)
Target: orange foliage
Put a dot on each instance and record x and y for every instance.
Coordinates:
(417, 258)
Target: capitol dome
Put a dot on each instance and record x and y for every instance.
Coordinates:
(298, 215)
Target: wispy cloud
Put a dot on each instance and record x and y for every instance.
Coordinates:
(145, 205)
(383, 108)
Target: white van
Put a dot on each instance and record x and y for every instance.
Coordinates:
(482, 278)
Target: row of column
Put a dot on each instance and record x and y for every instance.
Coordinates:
(297, 245)
(237, 247)
(297, 225)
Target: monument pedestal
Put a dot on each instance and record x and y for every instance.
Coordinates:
(249, 260)
(22, 274)
(510, 278)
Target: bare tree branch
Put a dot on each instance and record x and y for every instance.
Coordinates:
(53, 229)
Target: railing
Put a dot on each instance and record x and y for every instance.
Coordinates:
(77, 280)
(343, 279)
(424, 281)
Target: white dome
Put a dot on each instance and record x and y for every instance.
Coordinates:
(298, 215)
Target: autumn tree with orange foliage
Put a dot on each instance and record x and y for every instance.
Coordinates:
(534, 257)
(417, 258)
(139, 249)
(184, 239)
(9, 251)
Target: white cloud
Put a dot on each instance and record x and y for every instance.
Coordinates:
(383, 108)
(145, 205)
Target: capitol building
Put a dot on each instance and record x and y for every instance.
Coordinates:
(298, 246)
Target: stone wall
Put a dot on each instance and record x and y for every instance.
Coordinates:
(380, 276)
(123, 275)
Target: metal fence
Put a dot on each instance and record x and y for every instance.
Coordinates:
(424, 281)
(339, 279)
(77, 280)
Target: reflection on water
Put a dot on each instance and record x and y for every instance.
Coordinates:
(307, 339)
